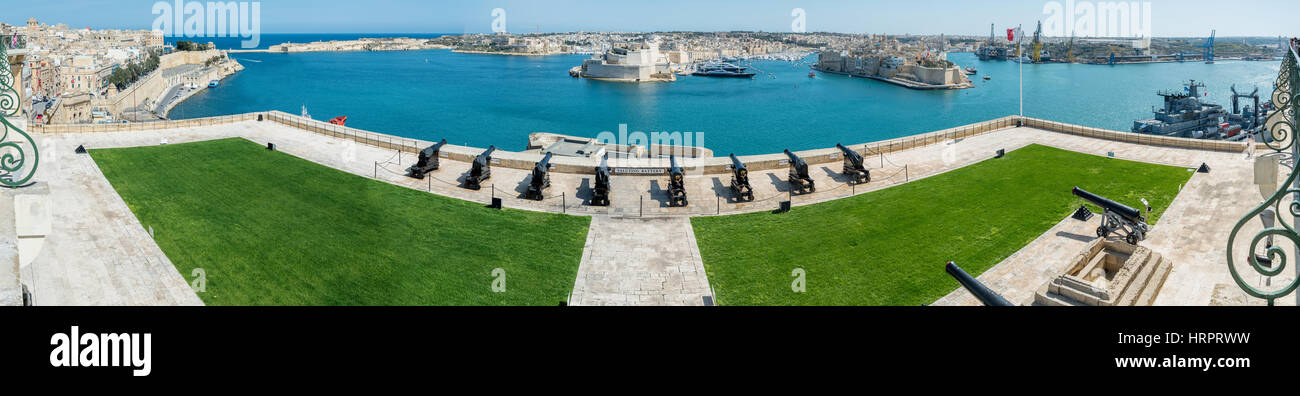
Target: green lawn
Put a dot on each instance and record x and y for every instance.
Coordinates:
(272, 229)
(888, 247)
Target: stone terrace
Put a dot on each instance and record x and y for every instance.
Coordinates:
(104, 256)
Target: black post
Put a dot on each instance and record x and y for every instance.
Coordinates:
(641, 207)
(563, 205)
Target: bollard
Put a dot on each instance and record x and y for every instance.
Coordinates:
(376, 169)
(906, 176)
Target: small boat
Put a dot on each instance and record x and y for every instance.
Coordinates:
(340, 120)
(305, 114)
(812, 74)
(213, 84)
(971, 71)
(986, 78)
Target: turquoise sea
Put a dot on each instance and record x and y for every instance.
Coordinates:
(489, 99)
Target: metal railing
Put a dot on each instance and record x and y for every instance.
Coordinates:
(13, 41)
(16, 168)
(1281, 126)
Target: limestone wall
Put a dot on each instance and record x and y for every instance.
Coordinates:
(141, 126)
(708, 165)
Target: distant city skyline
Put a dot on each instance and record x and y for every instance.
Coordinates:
(1169, 18)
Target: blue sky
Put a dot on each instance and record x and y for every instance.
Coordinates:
(1169, 17)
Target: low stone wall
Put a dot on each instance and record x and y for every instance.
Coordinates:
(1140, 138)
(141, 126)
(709, 165)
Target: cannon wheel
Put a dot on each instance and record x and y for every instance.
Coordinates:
(1103, 232)
(1133, 238)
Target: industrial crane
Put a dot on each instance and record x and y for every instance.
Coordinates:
(1209, 48)
(1037, 55)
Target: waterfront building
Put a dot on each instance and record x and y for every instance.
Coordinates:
(636, 63)
(924, 71)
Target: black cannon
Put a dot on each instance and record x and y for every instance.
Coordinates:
(676, 183)
(600, 191)
(981, 292)
(541, 179)
(1118, 217)
(428, 161)
(740, 180)
(480, 170)
(799, 178)
(854, 166)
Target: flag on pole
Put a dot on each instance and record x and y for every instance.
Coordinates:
(1011, 34)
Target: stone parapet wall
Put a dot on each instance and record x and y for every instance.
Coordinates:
(709, 165)
(141, 126)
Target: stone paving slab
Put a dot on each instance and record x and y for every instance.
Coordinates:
(629, 261)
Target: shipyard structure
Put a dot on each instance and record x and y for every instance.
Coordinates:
(922, 71)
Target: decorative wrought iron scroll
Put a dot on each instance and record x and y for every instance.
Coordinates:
(1281, 126)
(13, 158)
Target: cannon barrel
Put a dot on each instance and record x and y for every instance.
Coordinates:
(487, 155)
(736, 165)
(1125, 211)
(981, 292)
(431, 151)
(794, 159)
(672, 165)
(850, 154)
(543, 165)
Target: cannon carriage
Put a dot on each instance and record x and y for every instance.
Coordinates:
(428, 161)
(799, 178)
(1117, 217)
(676, 183)
(541, 179)
(740, 180)
(602, 185)
(854, 166)
(480, 170)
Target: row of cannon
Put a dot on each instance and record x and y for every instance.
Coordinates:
(799, 178)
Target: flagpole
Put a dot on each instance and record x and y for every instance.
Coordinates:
(1020, 59)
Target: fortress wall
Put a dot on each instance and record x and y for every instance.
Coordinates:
(707, 165)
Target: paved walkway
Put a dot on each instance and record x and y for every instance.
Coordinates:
(640, 262)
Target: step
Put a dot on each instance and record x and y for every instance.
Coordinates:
(1134, 287)
(1139, 256)
(1156, 283)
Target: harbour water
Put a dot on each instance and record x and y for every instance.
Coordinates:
(483, 100)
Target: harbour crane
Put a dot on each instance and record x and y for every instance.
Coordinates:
(1069, 50)
(1209, 48)
(1037, 55)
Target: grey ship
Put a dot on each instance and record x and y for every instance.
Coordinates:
(1185, 115)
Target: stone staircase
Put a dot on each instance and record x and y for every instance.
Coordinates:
(1136, 282)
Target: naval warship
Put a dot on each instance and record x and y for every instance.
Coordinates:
(1185, 115)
